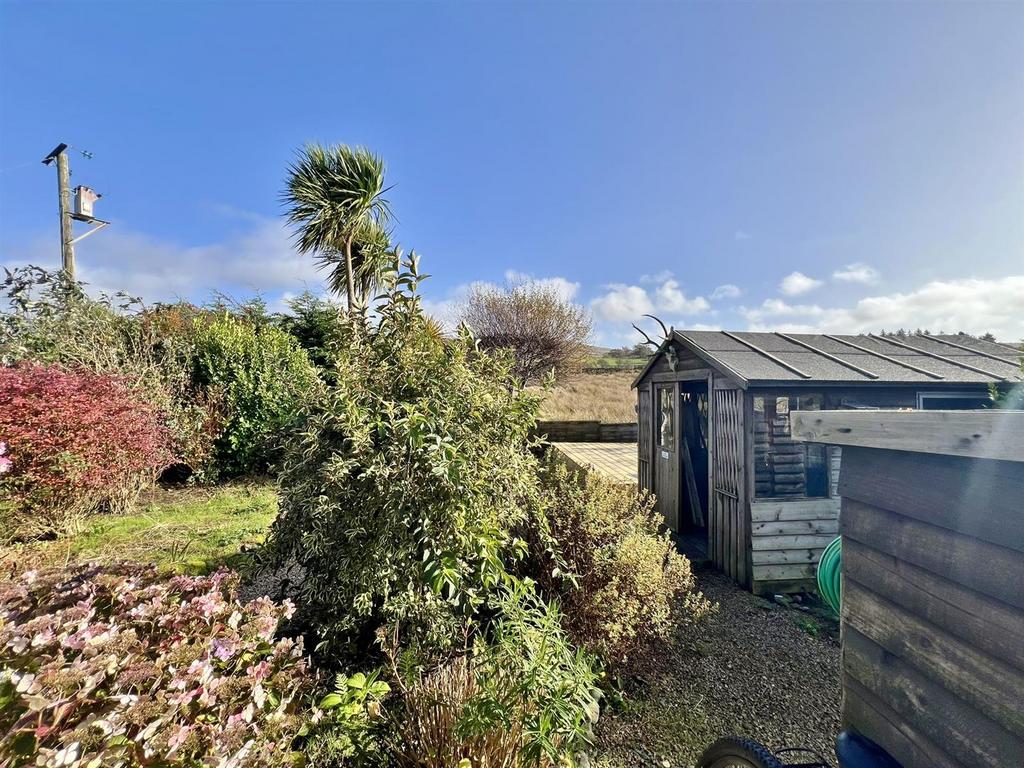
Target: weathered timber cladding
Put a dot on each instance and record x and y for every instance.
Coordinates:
(587, 432)
(623, 432)
(787, 539)
(933, 586)
(946, 490)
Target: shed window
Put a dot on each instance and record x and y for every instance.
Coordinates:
(665, 418)
(953, 401)
(784, 467)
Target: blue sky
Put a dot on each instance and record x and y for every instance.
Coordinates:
(680, 158)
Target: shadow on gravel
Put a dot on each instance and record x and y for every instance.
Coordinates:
(755, 668)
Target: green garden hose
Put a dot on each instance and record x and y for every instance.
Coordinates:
(830, 568)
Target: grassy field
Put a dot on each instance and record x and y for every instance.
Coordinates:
(592, 397)
(186, 530)
(616, 362)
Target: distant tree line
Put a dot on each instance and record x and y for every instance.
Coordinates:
(902, 333)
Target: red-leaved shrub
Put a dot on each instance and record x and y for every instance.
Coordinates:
(77, 442)
(118, 666)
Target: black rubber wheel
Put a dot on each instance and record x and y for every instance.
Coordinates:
(734, 752)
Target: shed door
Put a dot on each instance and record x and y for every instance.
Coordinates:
(728, 540)
(666, 459)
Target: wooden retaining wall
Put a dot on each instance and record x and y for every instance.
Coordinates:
(587, 431)
(933, 582)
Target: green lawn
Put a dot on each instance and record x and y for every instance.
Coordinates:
(188, 530)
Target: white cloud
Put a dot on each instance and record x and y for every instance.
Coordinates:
(670, 298)
(970, 305)
(739, 235)
(857, 273)
(797, 283)
(565, 288)
(259, 259)
(657, 277)
(622, 304)
(727, 291)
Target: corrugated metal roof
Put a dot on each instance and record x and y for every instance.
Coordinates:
(764, 357)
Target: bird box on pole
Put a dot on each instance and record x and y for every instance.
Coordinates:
(84, 199)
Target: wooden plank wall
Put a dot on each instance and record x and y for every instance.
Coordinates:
(933, 606)
(787, 539)
(788, 536)
(587, 431)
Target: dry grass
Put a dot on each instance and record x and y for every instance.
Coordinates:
(603, 397)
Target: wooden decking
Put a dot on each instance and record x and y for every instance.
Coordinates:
(614, 461)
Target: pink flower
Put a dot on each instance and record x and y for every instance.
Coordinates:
(224, 648)
(5, 465)
(178, 738)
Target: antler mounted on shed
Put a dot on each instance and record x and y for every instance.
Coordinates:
(647, 339)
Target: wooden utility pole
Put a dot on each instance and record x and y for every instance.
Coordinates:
(67, 245)
(84, 198)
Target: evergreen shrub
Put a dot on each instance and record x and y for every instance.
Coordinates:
(399, 494)
(263, 377)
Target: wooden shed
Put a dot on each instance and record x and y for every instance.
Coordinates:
(714, 442)
(933, 582)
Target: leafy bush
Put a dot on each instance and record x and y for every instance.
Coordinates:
(398, 494)
(77, 441)
(50, 320)
(621, 583)
(351, 724)
(521, 696)
(264, 377)
(115, 666)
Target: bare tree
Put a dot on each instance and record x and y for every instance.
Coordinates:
(544, 330)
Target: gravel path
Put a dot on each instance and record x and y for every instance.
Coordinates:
(754, 668)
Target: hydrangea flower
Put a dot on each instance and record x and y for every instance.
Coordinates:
(115, 665)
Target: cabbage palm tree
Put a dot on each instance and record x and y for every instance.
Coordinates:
(372, 255)
(335, 198)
